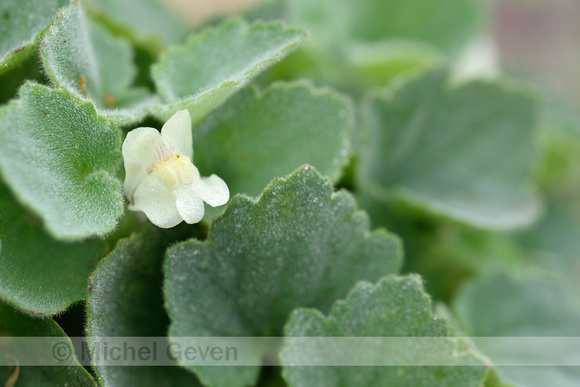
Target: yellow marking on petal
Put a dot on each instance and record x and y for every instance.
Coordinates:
(164, 163)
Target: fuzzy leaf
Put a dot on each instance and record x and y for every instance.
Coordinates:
(126, 300)
(462, 152)
(149, 23)
(87, 60)
(395, 307)
(500, 305)
(358, 45)
(37, 273)
(59, 157)
(299, 245)
(17, 324)
(446, 24)
(213, 64)
(23, 22)
(553, 244)
(256, 136)
(559, 167)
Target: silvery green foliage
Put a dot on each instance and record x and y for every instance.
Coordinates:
(84, 58)
(259, 135)
(60, 157)
(449, 150)
(233, 53)
(298, 245)
(23, 23)
(522, 306)
(394, 307)
(149, 23)
(18, 324)
(37, 273)
(125, 289)
(448, 166)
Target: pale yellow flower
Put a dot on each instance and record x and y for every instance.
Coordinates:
(161, 179)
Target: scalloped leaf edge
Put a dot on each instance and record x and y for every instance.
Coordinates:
(164, 111)
(84, 105)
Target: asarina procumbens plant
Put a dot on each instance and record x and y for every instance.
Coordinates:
(330, 136)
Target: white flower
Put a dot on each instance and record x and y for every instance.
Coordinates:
(160, 178)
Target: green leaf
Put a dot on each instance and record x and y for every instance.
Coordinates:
(59, 157)
(23, 22)
(559, 168)
(444, 254)
(380, 63)
(126, 300)
(256, 137)
(446, 24)
(17, 324)
(356, 45)
(148, 23)
(29, 69)
(553, 244)
(37, 273)
(88, 61)
(395, 307)
(450, 255)
(461, 152)
(266, 10)
(501, 305)
(299, 245)
(216, 62)
(487, 307)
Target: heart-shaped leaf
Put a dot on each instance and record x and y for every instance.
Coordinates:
(256, 137)
(59, 157)
(23, 23)
(37, 273)
(54, 347)
(449, 150)
(79, 56)
(395, 307)
(215, 63)
(299, 245)
(502, 305)
(126, 300)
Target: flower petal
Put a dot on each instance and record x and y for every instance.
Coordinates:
(189, 204)
(178, 131)
(157, 201)
(213, 190)
(139, 155)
